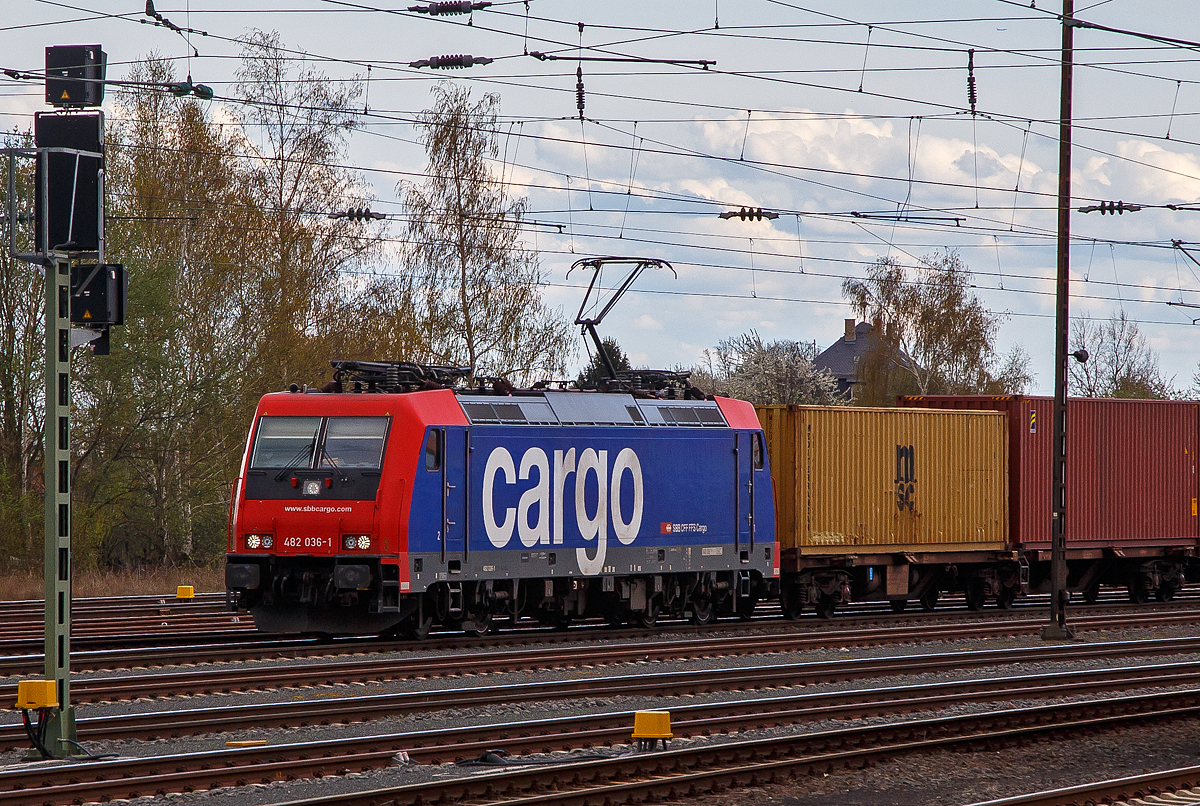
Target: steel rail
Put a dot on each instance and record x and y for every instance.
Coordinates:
(1116, 791)
(359, 670)
(589, 781)
(836, 704)
(175, 648)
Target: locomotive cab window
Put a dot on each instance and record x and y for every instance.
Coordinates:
(756, 450)
(354, 442)
(433, 450)
(285, 442)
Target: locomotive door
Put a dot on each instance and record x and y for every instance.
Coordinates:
(744, 490)
(454, 492)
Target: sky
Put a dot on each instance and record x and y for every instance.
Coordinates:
(814, 109)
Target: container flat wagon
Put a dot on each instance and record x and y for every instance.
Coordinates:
(890, 504)
(1132, 488)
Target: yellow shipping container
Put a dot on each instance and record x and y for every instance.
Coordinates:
(857, 481)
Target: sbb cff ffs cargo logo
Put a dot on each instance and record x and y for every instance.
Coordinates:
(906, 477)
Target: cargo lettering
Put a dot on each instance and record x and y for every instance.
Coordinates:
(906, 474)
(539, 518)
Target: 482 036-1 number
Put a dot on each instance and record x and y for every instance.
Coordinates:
(308, 542)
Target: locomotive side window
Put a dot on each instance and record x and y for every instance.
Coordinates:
(433, 450)
(285, 442)
(756, 450)
(354, 442)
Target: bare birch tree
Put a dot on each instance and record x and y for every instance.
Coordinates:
(476, 285)
(1120, 364)
(943, 331)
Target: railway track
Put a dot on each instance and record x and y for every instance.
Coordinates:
(323, 712)
(613, 776)
(161, 622)
(882, 629)
(361, 670)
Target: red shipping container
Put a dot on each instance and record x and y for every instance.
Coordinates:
(1131, 469)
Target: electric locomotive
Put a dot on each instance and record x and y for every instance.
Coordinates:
(395, 498)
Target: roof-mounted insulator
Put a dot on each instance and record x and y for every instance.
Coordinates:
(972, 95)
(579, 90)
(450, 62)
(447, 9)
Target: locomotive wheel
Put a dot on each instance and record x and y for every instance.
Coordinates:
(745, 607)
(929, 600)
(1138, 594)
(648, 617)
(976, 595)
(1006, 598)
(478, 624)
(1091, 594)
(702, 612)
(898, 605)
(418, 630)
(826, 605)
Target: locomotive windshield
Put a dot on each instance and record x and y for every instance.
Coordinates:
(354, 442)
(286, 442)
(305, 442)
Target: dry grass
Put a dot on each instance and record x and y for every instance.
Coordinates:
(97, 583)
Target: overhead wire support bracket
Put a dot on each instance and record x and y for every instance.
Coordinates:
(703, 64)
(910, 217)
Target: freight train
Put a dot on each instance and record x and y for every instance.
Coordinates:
(395, 499)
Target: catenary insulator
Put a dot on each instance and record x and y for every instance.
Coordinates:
(579, 90)
(448, 8)
(451, 61)
(972, 93)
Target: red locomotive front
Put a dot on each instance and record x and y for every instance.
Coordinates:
(309, 524)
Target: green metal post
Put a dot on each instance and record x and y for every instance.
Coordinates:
(61, 728)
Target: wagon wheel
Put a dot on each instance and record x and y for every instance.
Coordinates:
(789, 602)
(1138, 591)
(745, 607)
(898, 605)
(929, 599)
(1166, 592)
(1091, 594)
(826, 605)
(1006, 598)
(976, 595)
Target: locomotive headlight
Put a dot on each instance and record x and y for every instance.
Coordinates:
(349, 541)
(267, 541)
(252, 541)
(364, 541)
